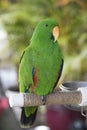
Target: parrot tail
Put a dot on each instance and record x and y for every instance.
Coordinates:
(26, 122)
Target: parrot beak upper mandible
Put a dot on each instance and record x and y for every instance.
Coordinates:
(55, 33)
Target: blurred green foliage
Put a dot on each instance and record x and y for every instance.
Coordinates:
(20, 17)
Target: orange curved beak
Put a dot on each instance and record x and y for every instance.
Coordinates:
(55, 33)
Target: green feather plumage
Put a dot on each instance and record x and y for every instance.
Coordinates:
(43, 54)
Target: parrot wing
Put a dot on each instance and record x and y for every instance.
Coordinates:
(26, 71)
(59, 73)
(27, 78)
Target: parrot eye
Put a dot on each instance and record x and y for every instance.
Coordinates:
(46, 25)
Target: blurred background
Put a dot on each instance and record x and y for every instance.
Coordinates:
(18, 19)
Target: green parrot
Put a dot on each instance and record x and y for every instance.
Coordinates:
(40, 66)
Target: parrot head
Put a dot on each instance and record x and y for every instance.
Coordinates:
(46, 30)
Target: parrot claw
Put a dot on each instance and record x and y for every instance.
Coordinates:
(43, 98)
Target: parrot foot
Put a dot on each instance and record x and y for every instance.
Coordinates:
(43, 98)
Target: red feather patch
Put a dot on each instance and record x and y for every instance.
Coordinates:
(34, 75)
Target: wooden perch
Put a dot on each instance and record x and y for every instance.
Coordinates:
(59, 97)
(73, 93)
